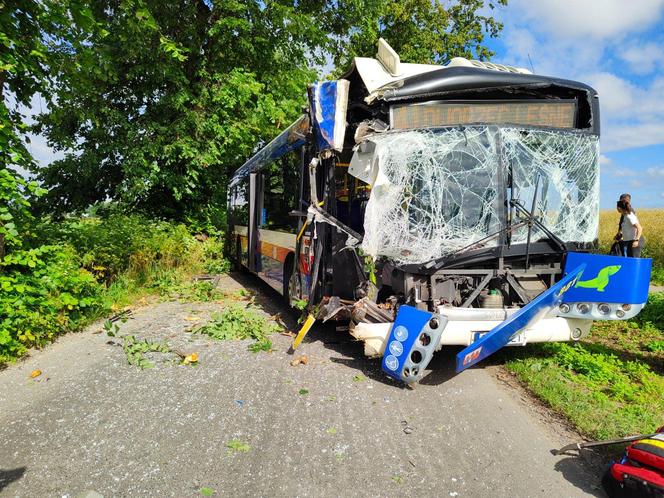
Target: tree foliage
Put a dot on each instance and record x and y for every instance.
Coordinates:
(421, 31)
(156, 103)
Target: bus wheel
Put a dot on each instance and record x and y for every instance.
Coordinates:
(292, 288)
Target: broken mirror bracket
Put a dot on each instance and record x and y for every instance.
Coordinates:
(413, 339)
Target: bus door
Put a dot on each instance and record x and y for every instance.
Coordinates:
(255, 218)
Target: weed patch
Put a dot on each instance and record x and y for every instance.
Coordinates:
(237, 446)
(236, 323)
(135, 350)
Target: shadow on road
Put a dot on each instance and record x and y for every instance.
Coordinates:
(571, 469)
(8, 476)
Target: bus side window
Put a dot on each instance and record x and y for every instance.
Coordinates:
(239, 208)
(281, 194)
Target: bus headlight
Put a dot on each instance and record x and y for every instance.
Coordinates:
(604, 308)
(576, 334)
(583, 308)
(626, 307)
(620, 313)
(564, 308)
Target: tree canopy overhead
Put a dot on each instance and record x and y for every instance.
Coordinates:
(156, 103)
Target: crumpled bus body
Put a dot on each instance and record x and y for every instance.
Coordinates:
(438, 206)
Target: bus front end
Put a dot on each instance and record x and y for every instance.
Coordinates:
(458, 205)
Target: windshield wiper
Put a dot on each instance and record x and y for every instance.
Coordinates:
(530, 218)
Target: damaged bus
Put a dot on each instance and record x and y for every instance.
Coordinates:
(431, 205)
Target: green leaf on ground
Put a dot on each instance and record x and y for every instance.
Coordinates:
(237, 446)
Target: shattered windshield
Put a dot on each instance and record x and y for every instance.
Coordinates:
(435, 192)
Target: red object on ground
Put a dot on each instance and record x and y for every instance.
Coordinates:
(640, 472)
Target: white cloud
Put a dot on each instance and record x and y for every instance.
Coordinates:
(620, 137)
(642, 58)
(599, 42)
(655, 171)
(615, 94)
(605, 160)
(599, 19)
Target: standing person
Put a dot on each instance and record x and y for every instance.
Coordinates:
(628, 198)
(630, 229)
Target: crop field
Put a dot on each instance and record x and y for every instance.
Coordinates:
(652, 221)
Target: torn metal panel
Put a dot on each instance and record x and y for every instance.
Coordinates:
(364, 163)
(328, 101)
(374, 75)
(435, 192)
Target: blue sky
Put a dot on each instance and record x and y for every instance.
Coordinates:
(617, 47)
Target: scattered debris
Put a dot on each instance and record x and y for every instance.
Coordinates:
(331, 431)
(123, 316)
(302, 359)
(205, 491)
(407, 429)
(189, 359)
(35, 373)
(288, 333)
(213, 279)
(303, 392)
(397, 479)
(239, 403)
(359, 378)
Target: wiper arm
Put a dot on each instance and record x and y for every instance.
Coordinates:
(438, 263)
(531, 219)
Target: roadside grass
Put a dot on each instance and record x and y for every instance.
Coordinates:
(608, 385)
(77, 270)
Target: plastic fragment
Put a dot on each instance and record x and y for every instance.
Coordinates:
(190, 358)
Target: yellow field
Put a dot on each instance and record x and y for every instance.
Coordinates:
(652, 221)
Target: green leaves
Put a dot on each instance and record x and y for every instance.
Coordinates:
(172, 49)
(135, 349)
(237, 446)
(236, 322)
(43, 293)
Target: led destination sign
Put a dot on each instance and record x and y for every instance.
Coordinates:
(549, 114)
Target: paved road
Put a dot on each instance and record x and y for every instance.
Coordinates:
(92, 422)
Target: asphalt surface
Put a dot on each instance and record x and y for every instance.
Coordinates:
(334, 427)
